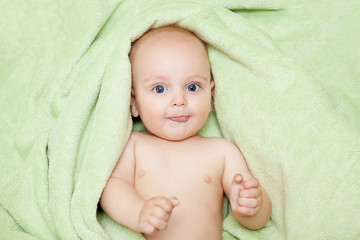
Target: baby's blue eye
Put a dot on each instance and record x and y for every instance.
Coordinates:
(193, 87)
(159, 89)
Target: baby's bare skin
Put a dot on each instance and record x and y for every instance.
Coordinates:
(172, 170)
(180, 184)
(169, 181)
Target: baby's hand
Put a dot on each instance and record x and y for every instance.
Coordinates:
(155, 214)
(245, 196)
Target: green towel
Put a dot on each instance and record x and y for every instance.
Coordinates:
(287, 91)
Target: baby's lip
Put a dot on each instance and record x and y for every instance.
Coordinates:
(179, 118)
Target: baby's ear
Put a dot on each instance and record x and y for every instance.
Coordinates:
(133, 109)
(212, 86)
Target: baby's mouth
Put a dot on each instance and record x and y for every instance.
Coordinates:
(179, 118)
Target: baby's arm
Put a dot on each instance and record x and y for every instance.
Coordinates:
(123, 204)
(250, 204)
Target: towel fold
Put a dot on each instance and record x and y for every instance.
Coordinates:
(64, 99)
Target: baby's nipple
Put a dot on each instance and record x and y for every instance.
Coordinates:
(141, 174)
(207, 179)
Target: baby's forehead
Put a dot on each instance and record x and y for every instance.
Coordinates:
(166, 35)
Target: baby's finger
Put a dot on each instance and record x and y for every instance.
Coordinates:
(157, 223)
(174, 201)
(148, 229)
(251, 183)
(249, 202)
(246, 211)
(250, 193)
(237, 179)
(236, 187)
(164, 203)
(160, 213)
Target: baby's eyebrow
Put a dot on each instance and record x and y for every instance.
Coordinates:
(200, 77)
(154, 78)
(161, 78)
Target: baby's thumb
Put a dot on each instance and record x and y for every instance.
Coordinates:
(237, 179)
(174, 201)
(236, 187)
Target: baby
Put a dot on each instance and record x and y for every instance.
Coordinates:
(169, 181)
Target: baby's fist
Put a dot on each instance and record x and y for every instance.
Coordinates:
(155, 214)
(245, 196)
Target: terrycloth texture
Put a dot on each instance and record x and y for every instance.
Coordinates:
(287, 93)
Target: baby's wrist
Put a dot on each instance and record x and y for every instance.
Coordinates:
(138, 207)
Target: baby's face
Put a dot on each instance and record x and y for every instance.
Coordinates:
(172, 84)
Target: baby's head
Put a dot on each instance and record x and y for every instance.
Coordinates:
(171, 83)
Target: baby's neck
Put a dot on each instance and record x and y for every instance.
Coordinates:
(195, 136)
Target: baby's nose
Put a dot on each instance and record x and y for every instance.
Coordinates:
(179, 100)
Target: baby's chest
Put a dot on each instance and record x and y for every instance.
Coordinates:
(186, 174)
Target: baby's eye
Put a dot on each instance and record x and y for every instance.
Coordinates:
(159, 89)
(193, 87)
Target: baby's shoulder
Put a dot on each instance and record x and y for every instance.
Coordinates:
(136, 136)
(220, 143)
(142, 138)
